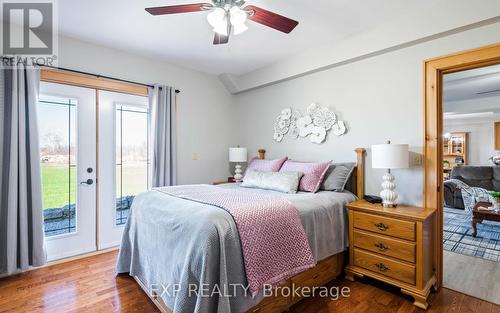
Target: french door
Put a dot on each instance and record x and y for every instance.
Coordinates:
(123, 161)
(67, 125)
(94, 160)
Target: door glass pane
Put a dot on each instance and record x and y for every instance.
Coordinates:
(57, 124)
(132, 157)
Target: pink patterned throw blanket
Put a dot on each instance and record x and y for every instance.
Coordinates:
(273, 240)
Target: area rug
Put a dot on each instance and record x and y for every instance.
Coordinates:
(473, 276)
(457, 236)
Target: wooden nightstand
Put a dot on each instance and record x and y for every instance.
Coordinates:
(394, 245)
(220, 182)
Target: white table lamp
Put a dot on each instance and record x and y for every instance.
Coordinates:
(238, 155)
(389, 156)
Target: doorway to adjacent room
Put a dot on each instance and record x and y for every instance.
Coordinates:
(462, 259)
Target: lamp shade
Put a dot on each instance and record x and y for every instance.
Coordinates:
(237, 154)
(390, 156)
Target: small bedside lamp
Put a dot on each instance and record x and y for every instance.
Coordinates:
(237, 155)
(389, 156)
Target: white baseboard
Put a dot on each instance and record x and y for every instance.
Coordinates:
(71, 254)
(108, 245)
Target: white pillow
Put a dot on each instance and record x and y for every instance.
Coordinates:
(287, 182)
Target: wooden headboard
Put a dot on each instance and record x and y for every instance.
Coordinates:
(357, 177)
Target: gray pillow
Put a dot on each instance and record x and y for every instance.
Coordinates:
(337, 175)
(287, 182)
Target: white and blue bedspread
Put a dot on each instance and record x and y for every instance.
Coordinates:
(182, 249)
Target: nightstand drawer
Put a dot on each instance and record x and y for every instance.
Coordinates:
(385, 225)
(385, 266)
(384, 245)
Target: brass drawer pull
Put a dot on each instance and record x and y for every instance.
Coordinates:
(382, 267)
(381, 246)
(381, 226)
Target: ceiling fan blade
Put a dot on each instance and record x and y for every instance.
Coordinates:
(220, 39)
(174, 9)
(271, 19)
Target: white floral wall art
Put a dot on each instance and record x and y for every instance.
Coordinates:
(315, 124)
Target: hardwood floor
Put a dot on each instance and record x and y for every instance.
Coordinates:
(90, 285)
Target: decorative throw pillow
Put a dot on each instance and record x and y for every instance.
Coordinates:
(278, 181)
(313, 173)
(337, 175)
(257, 164)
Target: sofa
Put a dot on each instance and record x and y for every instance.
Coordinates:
(487, 177)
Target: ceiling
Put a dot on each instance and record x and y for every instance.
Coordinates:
(186, 39)
(473, 94)
(472, 84)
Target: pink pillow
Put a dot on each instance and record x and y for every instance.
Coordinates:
(313, 173)
(259, 165)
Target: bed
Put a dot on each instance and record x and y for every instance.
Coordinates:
(178, 250)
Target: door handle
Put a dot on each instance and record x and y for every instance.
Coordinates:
(88, 182)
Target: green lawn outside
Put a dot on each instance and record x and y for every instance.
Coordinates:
(55, 183)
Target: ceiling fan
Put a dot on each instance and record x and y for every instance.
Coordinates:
(229, 16)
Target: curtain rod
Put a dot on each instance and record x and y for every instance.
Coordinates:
(103, 76)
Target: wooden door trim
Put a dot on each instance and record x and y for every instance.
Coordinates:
(433, 129)
(81, 80)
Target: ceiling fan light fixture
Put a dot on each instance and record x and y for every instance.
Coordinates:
(239, 28)
(217, 17)
(237, 16)
(222, 28)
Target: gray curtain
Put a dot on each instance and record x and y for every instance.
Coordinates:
(163, 137)
(21, 217)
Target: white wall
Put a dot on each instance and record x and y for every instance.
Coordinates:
(480, 139)
(435, 20)
(379, 97)
(481, 130)
(204, 106)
